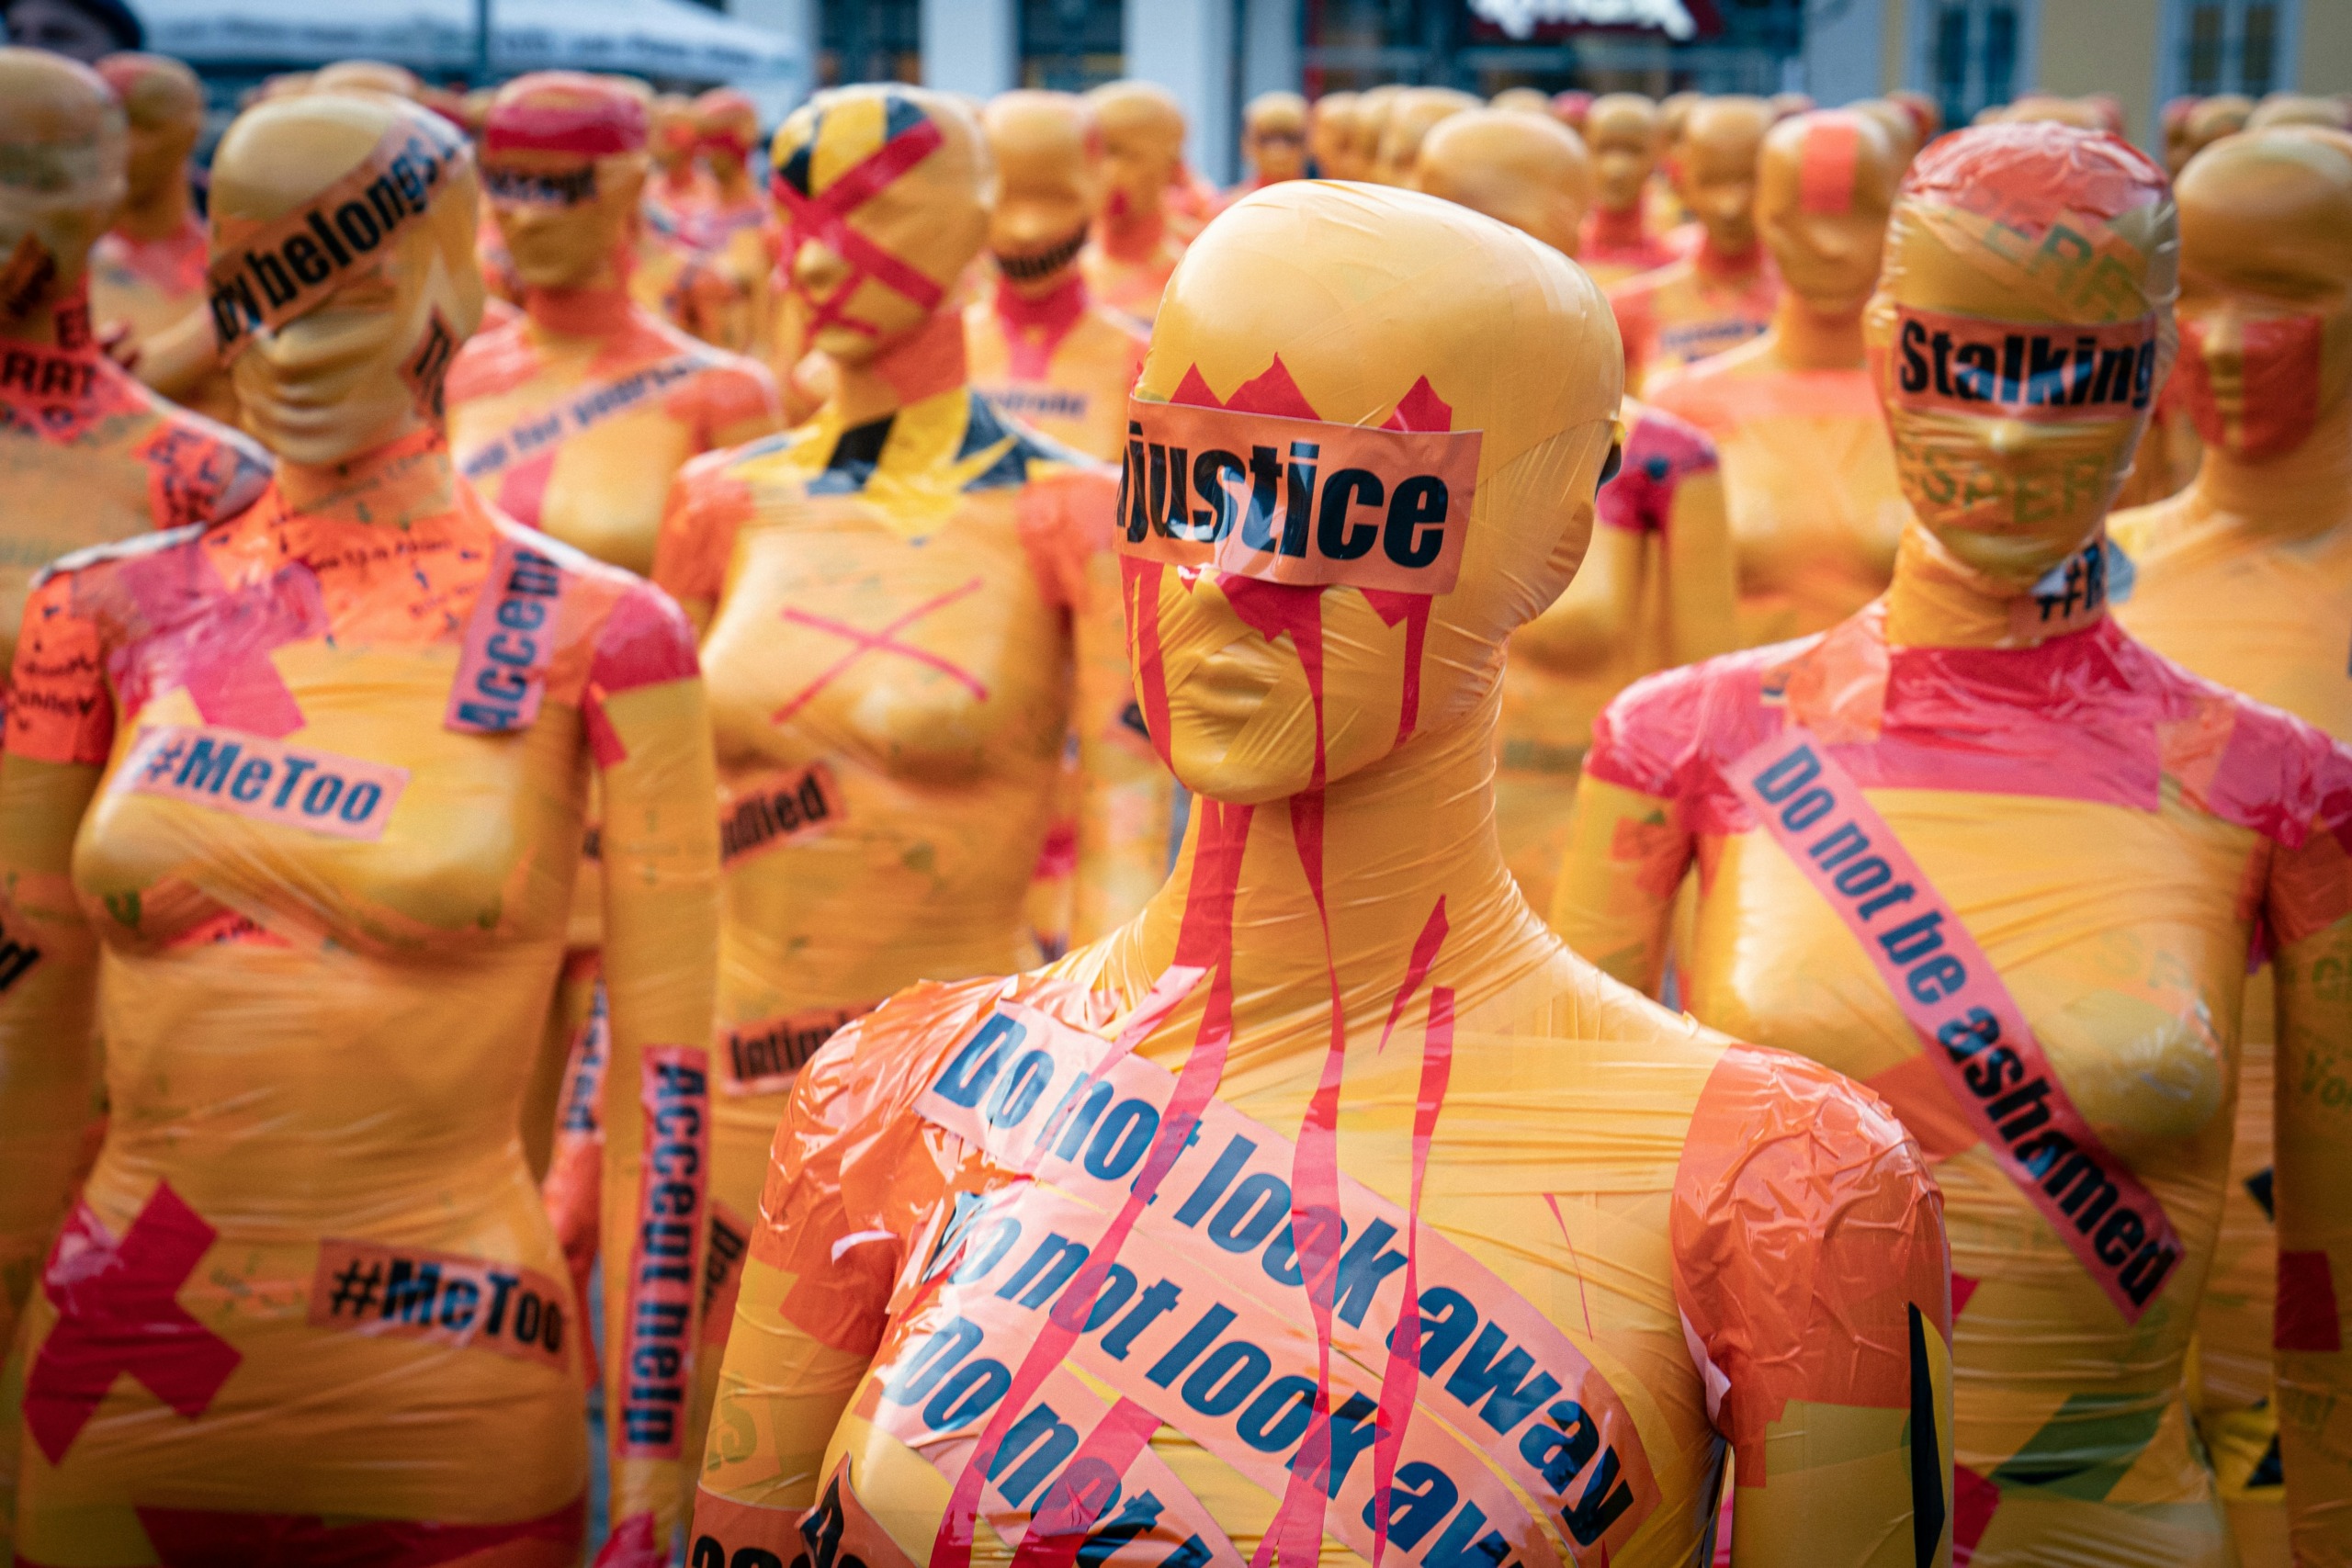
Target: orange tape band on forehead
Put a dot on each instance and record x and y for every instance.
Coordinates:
(264, 275)
(1297, 501)
(1826, 174)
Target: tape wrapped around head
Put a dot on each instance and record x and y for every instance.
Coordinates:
(565, 111)
(265, 274)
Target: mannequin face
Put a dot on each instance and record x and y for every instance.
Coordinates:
(1469, 326)
(675, 132)
(1824, 189)
(1621, 131)
(1531, 174)
(165, 109)
(1418, 112)
(874, 272)
(1715, 169)
(1332, 135)
(2016, 246)
(2266, 289)
(1274, 137)
(728, 125)
(1049, 185)
(355, 358)
(60, 177)
(564, 166)
(1373, 106)
(1143, 141)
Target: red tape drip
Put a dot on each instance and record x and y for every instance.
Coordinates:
(825, 219)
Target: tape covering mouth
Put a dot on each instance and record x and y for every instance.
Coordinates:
(1044, 264)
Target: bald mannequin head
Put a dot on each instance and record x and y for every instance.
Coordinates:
(1331, 127)
(1531, 174)
(1522, 100)
(1823, 189)
(2299, 108)
(165, 106)
(1901, 131)
(1714, 169)
(61, 180)
(2266, 286)
(1273, 136)
(1048, 155)
(367, 76)
(1621, 129)
(335, 353)
(1143, 145)
(1418, 112)
(564, 164)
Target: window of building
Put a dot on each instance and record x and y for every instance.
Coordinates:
(1973, 54)
(869, 40)
(1071, 45)
(2228, 45)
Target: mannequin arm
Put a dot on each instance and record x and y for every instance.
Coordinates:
(1614, 900)
(2313, 1170)
(651, 737)
(1701, 587)
(1598, 613)
(812, 1311)
(47, 1061)
(705, 506)
(1813, 1275)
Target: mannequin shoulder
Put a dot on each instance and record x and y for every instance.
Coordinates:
(2245, 761)
(637, 633)
(2146, 534)
(998, 452)
(204, 472)
(1663, 735)
(875, 1068)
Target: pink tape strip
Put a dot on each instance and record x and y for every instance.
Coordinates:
(648, 1401)
(1971, 1027)
(510, 638)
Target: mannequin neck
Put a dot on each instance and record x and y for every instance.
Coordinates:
(1808, 338)
(1054, 302)
(599, 308)
(1132, 236)
(1619, 228)
(159, 214)
(59, 321)
(1713, 258)
(2296, 494)
(923, 364)
(1397, 836)
(395, 484)
(675, 179)
(732, 178)
(1935, 601)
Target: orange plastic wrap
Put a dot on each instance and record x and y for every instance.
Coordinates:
(290, 806)
(1721, 291)
(1808, 471)
(1332, 1208)
(890, 676)
(1978, 848)
(2247, 580)
(1621, 128)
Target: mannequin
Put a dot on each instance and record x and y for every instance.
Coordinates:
(1525, 100)
(564, 160)
(1418, 111)
(2247, 578)
(680, 188)
(1373, 105)
(1273, 142)
(1331, 136)
(2299, 108)
(1815, 508)
(890, 673)
(1655, 585)
(317, 1005)
(90, 455)
(1132, 252)
(1571, 108)
(1339, 889)
(2223, 115)
(574, 419)
(1043, 352)
(1667, 213)
(738, 225)
(147, 271)
(1040, 348)
(1901, 130)
(1621, 129)
(2057, 857)
(1923, 111)
(367, 76)
(1722, 293)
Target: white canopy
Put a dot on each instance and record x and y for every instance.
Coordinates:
(644, 38)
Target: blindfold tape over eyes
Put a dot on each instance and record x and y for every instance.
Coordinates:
(2031, 370)
(540, 187)
(1297, 501)
(264, 275)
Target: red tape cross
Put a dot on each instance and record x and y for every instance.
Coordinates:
(886, 641)
(825, 219)
(118, 1311)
